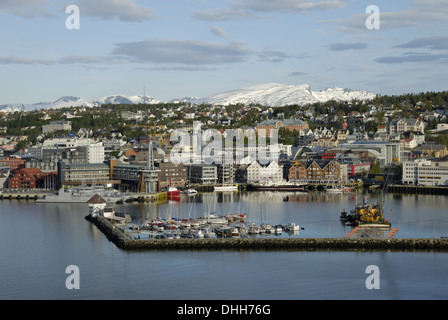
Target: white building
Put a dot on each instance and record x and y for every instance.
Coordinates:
(57, 125)
(388, 152)
(257, 173)
(425, 172)
(95, 153)
(95, 150)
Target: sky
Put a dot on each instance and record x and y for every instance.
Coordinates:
(171, 49)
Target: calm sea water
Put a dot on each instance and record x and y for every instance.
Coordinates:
(38, 242)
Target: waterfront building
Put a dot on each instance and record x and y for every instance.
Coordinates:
(172, 173)
(425, 172)
(226, 173)
(204, 174)
(75, 174)
(4, 175)
(318, 170)
(30, 178)
(257, 172)
(136, 177)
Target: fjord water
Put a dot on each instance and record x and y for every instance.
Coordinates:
(39, 241)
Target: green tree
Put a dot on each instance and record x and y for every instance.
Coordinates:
(375, 168)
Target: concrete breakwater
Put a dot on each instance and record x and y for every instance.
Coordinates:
(126, 242)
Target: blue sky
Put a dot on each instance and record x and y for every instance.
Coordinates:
(201, 47)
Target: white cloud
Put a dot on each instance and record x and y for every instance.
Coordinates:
(346, 46)
(433, 43)
(125, 10)
(420, 14)
(184, 52)
(255, 8)
(26, 8)
(218, 31)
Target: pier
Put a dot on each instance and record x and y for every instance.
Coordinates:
(412, 189)
(148, 197)
(126, 242)
(21, 195)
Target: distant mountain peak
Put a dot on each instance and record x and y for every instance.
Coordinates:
(277, 95)
(266, 94)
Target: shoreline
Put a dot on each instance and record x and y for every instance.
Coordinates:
(125, 242)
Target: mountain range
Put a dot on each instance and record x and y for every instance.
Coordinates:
(267, 94)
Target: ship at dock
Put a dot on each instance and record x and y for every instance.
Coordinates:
(282, 186)
(84, 194)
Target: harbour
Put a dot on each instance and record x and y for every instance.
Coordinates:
(40, 240)
(122, 240)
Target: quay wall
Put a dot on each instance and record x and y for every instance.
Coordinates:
(411, 189)
(125, 242)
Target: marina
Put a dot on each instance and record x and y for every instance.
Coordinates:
(230, 225)
(123, 241)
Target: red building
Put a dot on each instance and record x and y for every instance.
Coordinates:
(26, 178)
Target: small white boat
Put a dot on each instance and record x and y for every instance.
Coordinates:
(253, 229)
(269, 229)
(190, 192)
(291, 227)
(278, 229)
(199, 234)
(229, 188)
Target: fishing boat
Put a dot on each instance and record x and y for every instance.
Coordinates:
(173, 193)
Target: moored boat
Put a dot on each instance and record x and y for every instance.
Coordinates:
(292, 227)
(224, 188)
(190, 192)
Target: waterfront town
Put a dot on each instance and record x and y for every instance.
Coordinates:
(129, 147)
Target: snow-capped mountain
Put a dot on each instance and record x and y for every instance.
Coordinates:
(267, 94)
(69, 101)
(275, 95)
